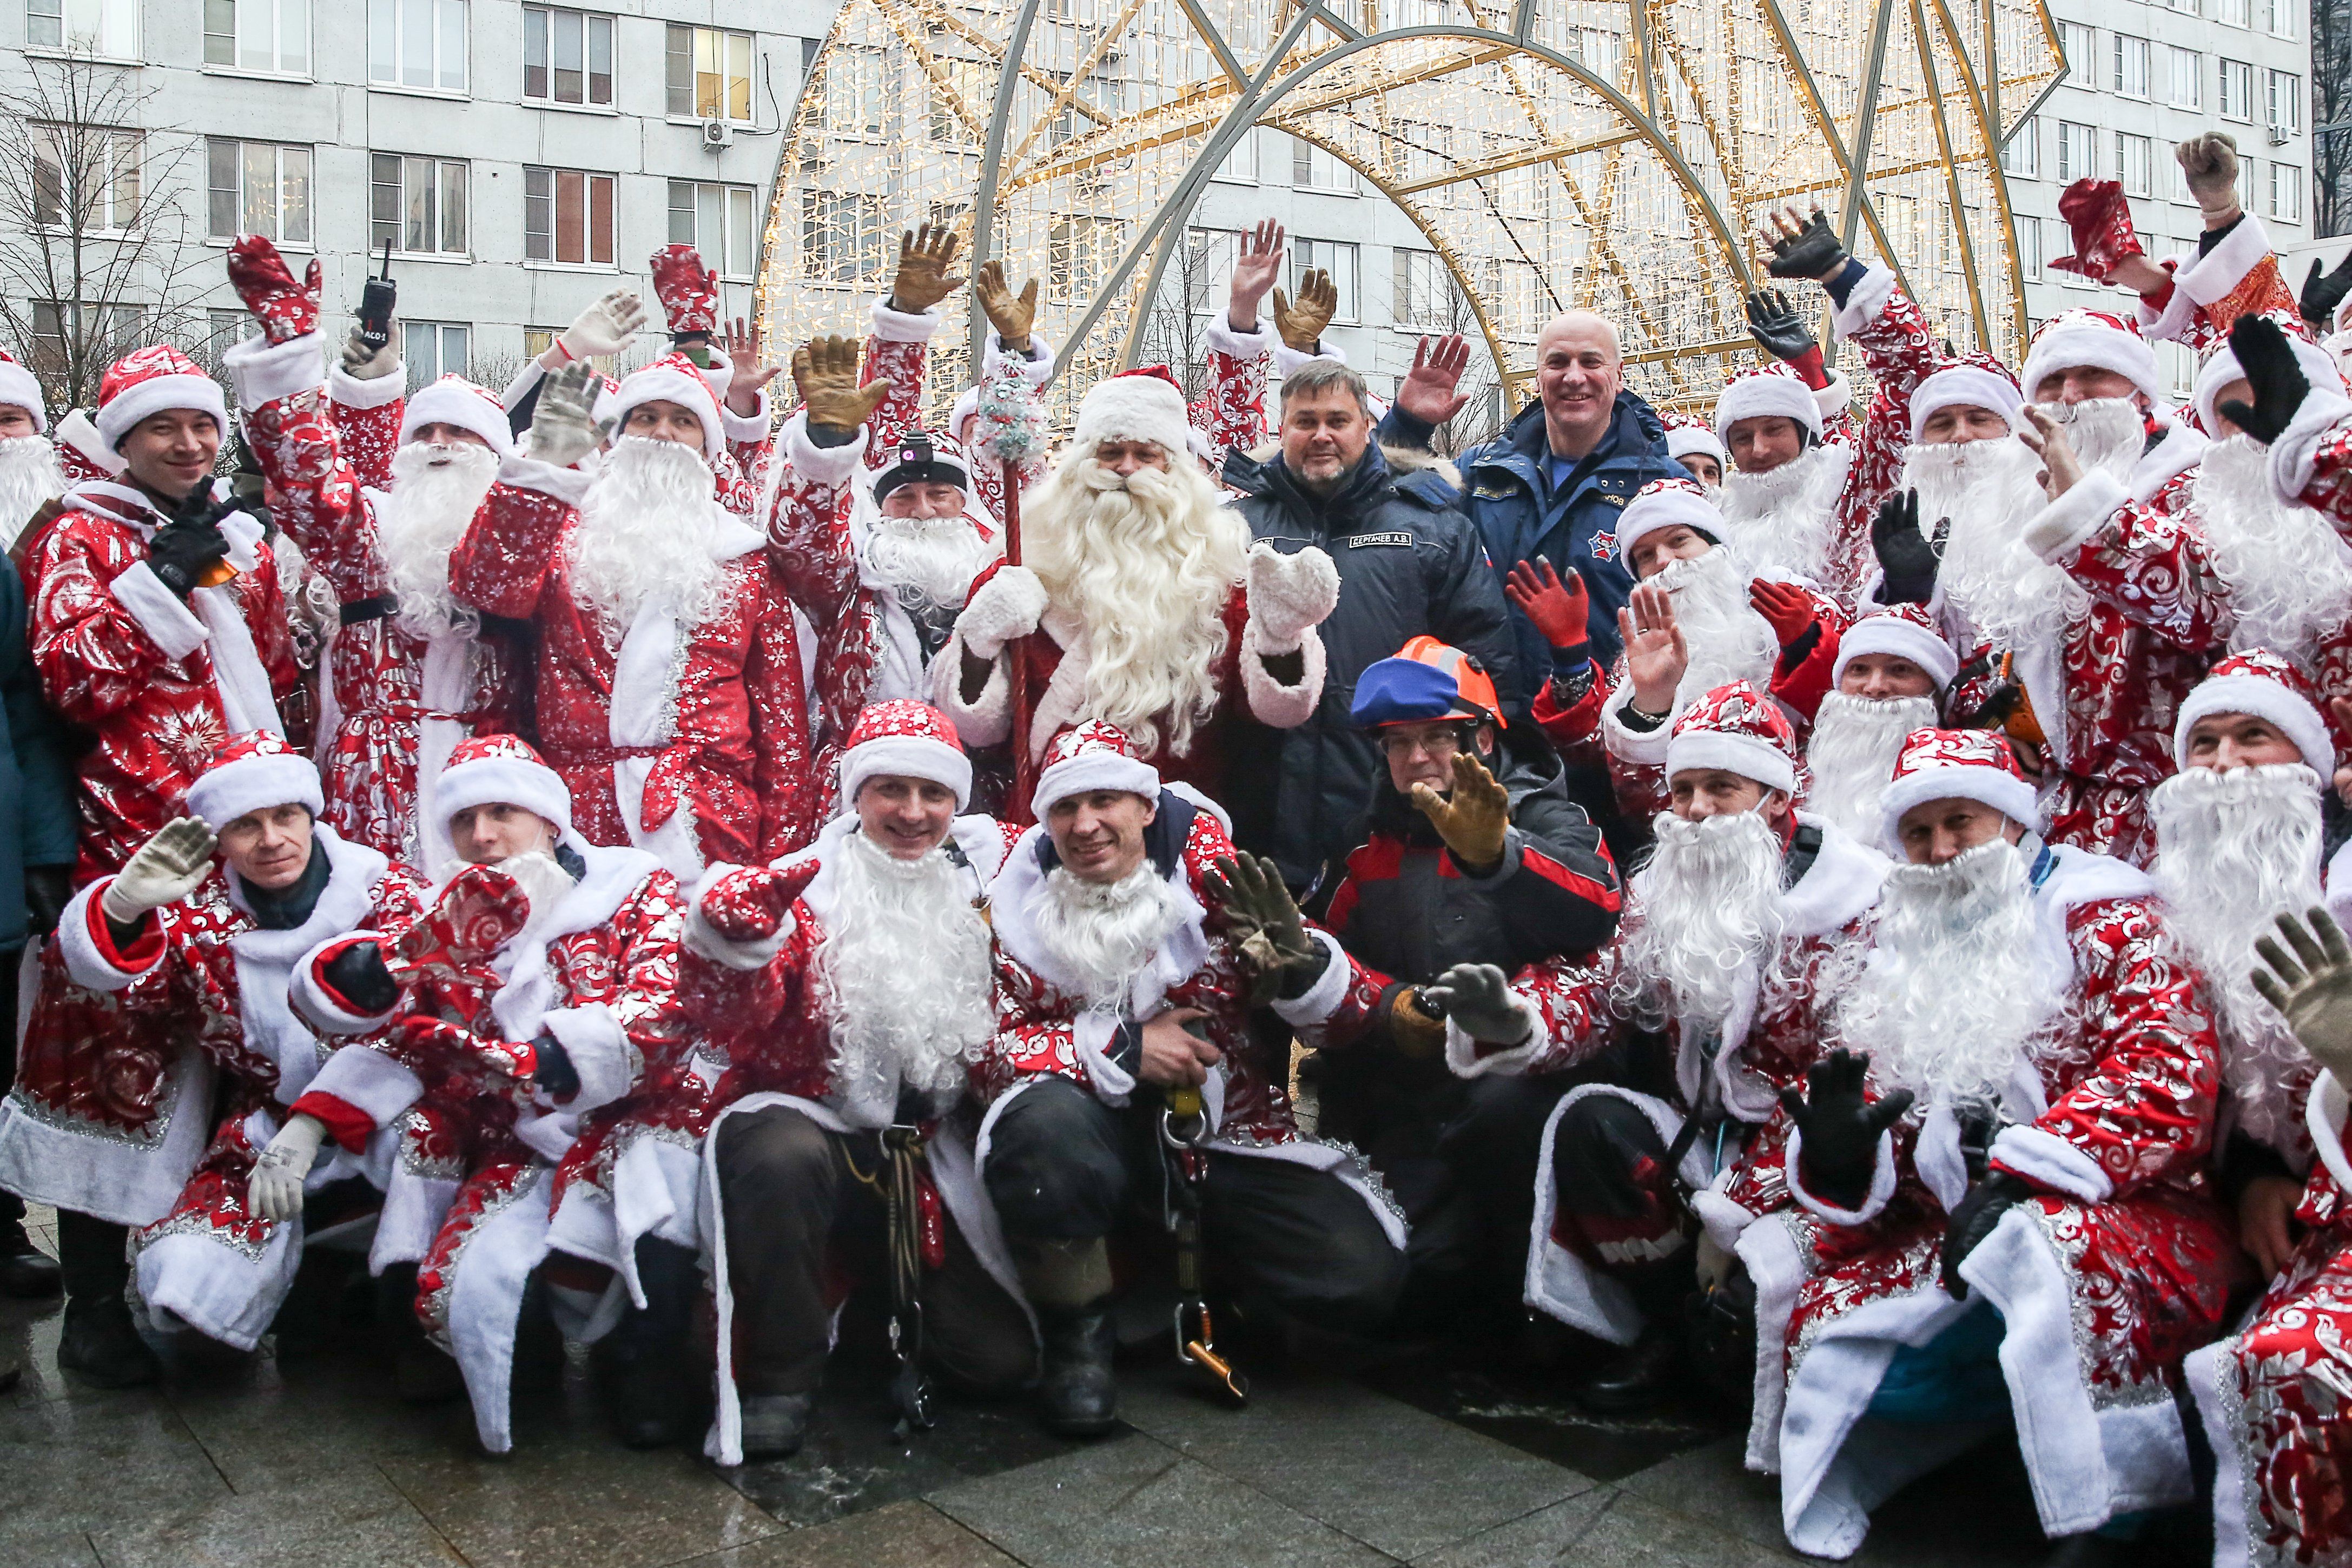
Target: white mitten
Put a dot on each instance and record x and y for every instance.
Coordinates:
(166, 870)
(1478, 997)
(362, 363)
(276, 1190)
(1006, 606)
(608, 327)
(563, 427)
(1289, 595)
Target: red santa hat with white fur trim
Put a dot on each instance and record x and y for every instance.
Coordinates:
(2073, 340)
(1984, 385)
(1666, 504)
(2260, 683)
(454, 400)
(151, 382)
(20, 389)
(907, 739)
(1092, 756)
(2220, 368)
(1763, 391)
(1954, 764)
(1739, 729)
(1141, 404)
(1905, 631)
(254, 773)
(502, 770)
(1687, 437)
(676, 378)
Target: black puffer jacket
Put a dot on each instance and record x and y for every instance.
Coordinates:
(1408, 564)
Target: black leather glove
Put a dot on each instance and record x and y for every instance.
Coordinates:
(47, 890)
(1813, 251)
(360, 978)
(2322, 293)
(1904, 555)
(184, 551)
(1841, 1127)
(1974, 1221)
(2279, 383)
(554, 1071)
(1775, 324)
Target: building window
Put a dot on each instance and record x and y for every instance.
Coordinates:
(856, 93)
(1333, 256)
(709, 74)
(959, 111)
(2185, 72)
(259, 188)
(2237, 99)
(417, 204)
(717, 221)
(2029, 248)
(2287, 193)
(2078, 150)
(85, 178)
(103, 332)
(1313, 168)
(271, 35)
(2286, 101)
(843, 237)
(2079, 44)
(2131, 163)
(567, 57)
(2021, 159)
(108, 27)
(2130, 57)
(1425, 297)
(2232, 12)
(2279, 18)
(417, 43)
(432, 350)
(537, 340)
(567, 217)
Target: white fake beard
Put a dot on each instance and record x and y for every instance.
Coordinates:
(1851, 755)
(1106, 932)
(2290, 576)
(436, 491)
(926, 563)
(1146, 565)
(1984, 493)
(645, 534)
(903, 975)
(2108, 434)
(1710, 909)
(1728, 640)
(29, 475)
(2234, 851)
(1951, 1004)
(1782, 518)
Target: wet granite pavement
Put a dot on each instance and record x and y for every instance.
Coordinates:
(303, 1457)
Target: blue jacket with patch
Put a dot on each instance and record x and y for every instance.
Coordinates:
(1506, 491)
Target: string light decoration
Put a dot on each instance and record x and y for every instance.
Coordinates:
(1555, 153)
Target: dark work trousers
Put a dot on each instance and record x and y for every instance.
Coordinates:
(794, 1198)
(1619, 1208)
(1064, 1166)
(11, 1207)
(1460, 1155)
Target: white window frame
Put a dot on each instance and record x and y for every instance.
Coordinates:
(730, 253)
(247, 15)
(591, 25)
(1344, 259)
(554, 198)
(2233, 12)
(725, 40)
(2077, 162)
(2286, 181)
(122, 144)
(862, 261)
(2079, 41)
(1320, 166)
(107, 30)
(2021, 158)
(437, 337)
(2174, 58)
(409, 171)
(2128, 58)
(2244, 109)
(392, 17)
(283, 152)
(2029, 248)
(2133, 162)
(862, 72)
(2291, 100)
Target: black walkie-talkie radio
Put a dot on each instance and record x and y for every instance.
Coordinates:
(376, 302)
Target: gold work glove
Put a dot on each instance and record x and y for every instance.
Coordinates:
(1472, 818)
(1301, 320)
(924, 257)
(825, 370)
(1014, 315)
(1414, 1031)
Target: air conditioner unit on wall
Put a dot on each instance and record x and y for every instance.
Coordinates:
(2279, 134)
(717, 134)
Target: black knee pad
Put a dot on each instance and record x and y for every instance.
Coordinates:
(1607, 1157)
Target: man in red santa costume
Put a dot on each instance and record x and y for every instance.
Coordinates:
(829, 1047)
(211, 954)
(1893, 672)
(158, 627)
(559, 1005)
(669, 691)
(1114, 985)
(1739, 931)
(1160, 617)
(411, 671)
(2034, 1236)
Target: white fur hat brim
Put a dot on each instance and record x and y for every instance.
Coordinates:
(2005, 792)
(1745, 755)
(906, 757)
(504, 781)
(1892, 635)
(1090, 771)
(1964, 386)
(2073, 345)
(1134, 408)
(467, 408)
(160, 395)
(2264, 699)
(223, 794)
(1762, 396)
(1665, 507)
(19, 388)
(1685, 440)
(666, 384)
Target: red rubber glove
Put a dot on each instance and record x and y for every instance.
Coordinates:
(2101, 223)
(1786, 608)
(286, 309)
(1561, 611)
(750, 905)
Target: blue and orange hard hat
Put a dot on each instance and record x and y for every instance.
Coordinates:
(1426, 680)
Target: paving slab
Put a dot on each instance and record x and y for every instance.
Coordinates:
(345, 1518)
(286, 1423)
(48, 1548)
(1713, 1483)
(1532, 1412)
(1390, 1476)
(899, 1535)
(1606, 1528)
(84, 1462)
(1133, 1502)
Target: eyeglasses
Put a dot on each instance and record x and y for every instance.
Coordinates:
(1442, 744)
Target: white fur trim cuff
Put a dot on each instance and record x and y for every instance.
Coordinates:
(2048, 1160)
(2295, 453)
(2068, 523)
(1330, 987)
(904, 326)
(1271, 703)
(833, 466)
(1724, 1220)
(1222, 339)
(169, 624)
(1288, 359)
(600, 1053)
(748, 429)
(369, 1082)
(1864, 301)
(1882, 1183)
(1642, 747)
(1833, 398)
(1468, 1057)
(997, 362)
(85, 963)
(375, 391)
(524, 471)
(263, 372)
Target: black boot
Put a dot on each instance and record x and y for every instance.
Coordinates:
(1639, 1377)
(651, 1383)
(100, 1342)
(775, 1424)
(1076, 1394)
(26, 1272)
(422, 1372)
